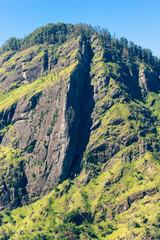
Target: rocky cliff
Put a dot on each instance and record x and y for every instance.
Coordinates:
(44, 110)
(85, 109)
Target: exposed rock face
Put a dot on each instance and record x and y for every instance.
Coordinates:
(80, 124)
(63, 101)
(51, 126)
(148, 80)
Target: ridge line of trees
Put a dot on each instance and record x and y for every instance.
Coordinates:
(115, 49)
(49, 34)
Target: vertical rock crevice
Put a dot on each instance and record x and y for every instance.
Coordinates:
(79, 106)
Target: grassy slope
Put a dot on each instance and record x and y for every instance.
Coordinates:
(14, 92)
(98, 200)
(87, 207)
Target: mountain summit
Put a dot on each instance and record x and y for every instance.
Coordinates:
(79, 136)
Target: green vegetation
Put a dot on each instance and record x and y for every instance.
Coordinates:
(49, 34)
(12, 176)
(116, 193)
(6, 100)
(114, 49)
(91, 211)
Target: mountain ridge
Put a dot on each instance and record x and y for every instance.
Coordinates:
(89, 107)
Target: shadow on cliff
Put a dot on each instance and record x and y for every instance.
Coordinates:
(84, 129)
(87, 104)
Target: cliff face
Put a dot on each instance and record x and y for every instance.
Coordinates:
(70, 111)
(44, 110)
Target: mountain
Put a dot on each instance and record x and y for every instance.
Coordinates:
(79, 136)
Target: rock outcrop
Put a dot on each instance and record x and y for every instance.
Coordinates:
(81, 106)
(55, 96)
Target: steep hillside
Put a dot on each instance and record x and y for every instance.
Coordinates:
(79, 136)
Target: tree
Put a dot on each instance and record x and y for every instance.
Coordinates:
(13, 43)
(123, 41)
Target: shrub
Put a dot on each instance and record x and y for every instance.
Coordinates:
(74, 217)
(49, 131)
(136, 225)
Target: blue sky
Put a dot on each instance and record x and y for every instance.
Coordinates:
(137, 20)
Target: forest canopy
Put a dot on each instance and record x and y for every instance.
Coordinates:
(61, 32)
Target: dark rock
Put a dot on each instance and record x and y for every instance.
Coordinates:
(136, 196)
(130, 139)
(152, 191)
(117, 121)
(31, 215)
(152, 102)
(96, 125)
(122, 207)
(116, 93)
